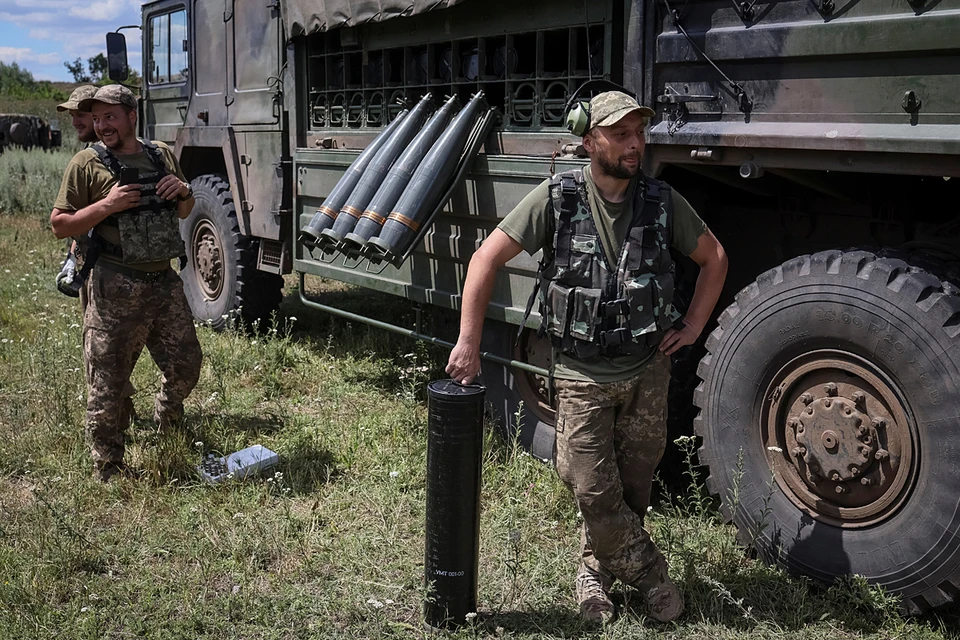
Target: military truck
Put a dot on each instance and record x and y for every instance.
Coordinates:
(27, 131)
(820, 141)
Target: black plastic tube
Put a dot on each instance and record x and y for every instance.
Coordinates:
(452, 550)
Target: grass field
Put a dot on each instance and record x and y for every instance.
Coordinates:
(331, 544)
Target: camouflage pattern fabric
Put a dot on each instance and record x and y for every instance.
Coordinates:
(122, 315)
(80, 93)
(109, 94)
(126, 409)
(609, 107)
(610, 438)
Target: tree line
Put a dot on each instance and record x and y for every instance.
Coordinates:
(17, 82)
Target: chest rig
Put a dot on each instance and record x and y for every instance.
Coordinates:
(149, 232)
(593, 304)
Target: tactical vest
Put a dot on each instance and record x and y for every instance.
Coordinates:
(591, 305)
(149, 232)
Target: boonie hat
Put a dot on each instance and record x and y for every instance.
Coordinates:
(609, 107)
(110, 94)
(80, 93)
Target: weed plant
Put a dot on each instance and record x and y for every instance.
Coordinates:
(330, 543)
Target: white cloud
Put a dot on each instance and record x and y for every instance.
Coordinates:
(101, 10)
(25, 19)
(23, 54)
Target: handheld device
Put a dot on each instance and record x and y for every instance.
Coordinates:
(129, 175)
(237, 466)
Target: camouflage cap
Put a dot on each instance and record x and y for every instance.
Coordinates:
(608, 108)
(80, 93)
(110, 94)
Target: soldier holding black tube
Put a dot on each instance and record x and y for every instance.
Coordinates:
(131, 193)
(606, 286)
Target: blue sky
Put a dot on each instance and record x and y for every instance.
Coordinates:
(40, 35)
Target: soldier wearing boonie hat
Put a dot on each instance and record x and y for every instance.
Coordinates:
(606, 281)
(129, 233)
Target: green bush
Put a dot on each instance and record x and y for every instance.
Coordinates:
(30, 180)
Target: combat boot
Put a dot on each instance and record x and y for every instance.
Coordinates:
(660, 593)
(595, 605)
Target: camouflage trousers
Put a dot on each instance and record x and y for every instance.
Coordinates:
(610, 438)
(121, 316)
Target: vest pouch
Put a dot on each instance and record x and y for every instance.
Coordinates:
(642, 296)
(556, 316)
(147, 236)
(647, 257)
(585, 314)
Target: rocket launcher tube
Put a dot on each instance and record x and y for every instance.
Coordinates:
(427, 184)
(327, 213)
(393, 185)
(374, 174)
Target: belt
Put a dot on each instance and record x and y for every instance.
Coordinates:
(135, 274)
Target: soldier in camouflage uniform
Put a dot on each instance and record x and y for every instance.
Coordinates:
(134, 298)
(606, 291)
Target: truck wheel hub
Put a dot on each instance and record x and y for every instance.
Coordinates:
(208, 258)
(838, 438)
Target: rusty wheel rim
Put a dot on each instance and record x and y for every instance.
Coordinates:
(839, 439)
(534, 389)
(208, 259)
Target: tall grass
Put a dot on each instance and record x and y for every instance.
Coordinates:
(330, 544)
(30, 180)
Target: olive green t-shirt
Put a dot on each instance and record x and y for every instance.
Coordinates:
(528, 224)
(86, 180)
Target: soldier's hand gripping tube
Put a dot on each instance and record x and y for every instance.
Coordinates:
(68, 280)
(327, 213)
(374, 174)
(428, 183)
(397, 179)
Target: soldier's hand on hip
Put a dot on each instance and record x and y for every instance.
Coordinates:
(170, 187)
(123, 197)
(464, 363)
(674, 339)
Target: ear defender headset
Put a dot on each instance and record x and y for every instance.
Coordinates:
(577, 120)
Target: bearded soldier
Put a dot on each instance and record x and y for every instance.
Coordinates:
(133, 297)
(606, 285)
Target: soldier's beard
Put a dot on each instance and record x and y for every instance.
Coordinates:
(617, 169)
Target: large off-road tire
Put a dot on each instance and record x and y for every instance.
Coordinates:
(836, 377)
(221, 277)
(507, 387)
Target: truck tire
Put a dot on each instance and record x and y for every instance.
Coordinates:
(221, 278)
(834, 379)
(507, 388)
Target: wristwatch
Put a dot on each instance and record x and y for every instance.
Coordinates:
(189, 193)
